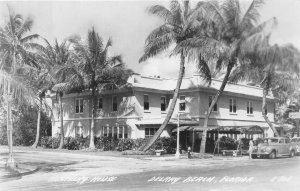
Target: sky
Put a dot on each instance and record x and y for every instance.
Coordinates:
(128, 24)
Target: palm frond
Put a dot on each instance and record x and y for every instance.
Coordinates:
(161, 12)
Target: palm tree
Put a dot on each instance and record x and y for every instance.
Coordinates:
(230, 31)
(273, 67)
(17, 58)
(181, 22)
(96, 70)
(55, 59)
(44, 82)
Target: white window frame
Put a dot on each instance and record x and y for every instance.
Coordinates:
(80, 100)
(232, 104)
(249, 107)
(182, 101)
(215, 106)
(148, 132)
(146, 102)
(112, 103)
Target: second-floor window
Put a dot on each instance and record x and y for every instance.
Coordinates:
(114, 103)
(249, 107)
(215, 108)
(163, 103)
(182, 103)
(146, 102)
(100, 103)
(232, 105)
(79, 105)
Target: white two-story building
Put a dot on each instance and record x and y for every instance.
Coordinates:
(138, 111)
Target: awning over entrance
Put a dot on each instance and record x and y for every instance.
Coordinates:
(225, 125)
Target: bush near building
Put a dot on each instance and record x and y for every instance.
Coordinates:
(24, 132)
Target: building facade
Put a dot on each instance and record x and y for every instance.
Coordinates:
(139, 110)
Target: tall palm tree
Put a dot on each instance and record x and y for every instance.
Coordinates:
(231, 30)
(56, 58)
(96, 70)
(181, 22)
(274, 67)
(17, 57)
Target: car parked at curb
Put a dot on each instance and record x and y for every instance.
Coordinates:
(295, 141)
(274, 147)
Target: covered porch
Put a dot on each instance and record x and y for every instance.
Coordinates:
(191, 133)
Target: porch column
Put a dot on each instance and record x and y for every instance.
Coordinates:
(123, 132)
(112, 131)
(107, 128)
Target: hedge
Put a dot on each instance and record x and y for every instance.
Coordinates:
(109, 143)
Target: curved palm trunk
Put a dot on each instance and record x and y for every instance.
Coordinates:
(264, 105)
(214, 101)
(171, 109)
(62, 133)
(38, 125)
(92, 142)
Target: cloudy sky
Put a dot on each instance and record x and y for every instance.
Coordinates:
(128, 24)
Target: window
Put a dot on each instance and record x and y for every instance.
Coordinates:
(210, 98)
(249, 107)
(182, 103)
(163, 103)
(100, 103)
(232, 105)
(149, 132)
(78, 131)
(146, 102)
(79, 105)
(114, 103)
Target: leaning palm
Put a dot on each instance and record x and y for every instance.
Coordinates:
(181, 22)
(274, 68)
(95, 70)
(17, 57)
(231, 30)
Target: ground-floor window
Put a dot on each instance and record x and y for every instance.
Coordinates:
(120, 132)
(149, 132)
(78, 131)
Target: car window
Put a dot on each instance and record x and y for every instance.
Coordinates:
(271, 141)
(294, 140)
(287, 140)
(281, 140)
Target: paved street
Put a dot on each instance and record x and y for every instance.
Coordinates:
(66, 171)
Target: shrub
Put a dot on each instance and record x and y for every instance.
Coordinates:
(227, 143)
(125, 144)
(168, 144)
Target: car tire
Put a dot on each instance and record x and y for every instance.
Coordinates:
(292, 154)
(272, 155)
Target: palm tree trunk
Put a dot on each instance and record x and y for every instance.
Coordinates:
(38, 125)
(214, 101)
(10, 161)
(264, 105)
(92, 142)
(62, 133)
(171, 109)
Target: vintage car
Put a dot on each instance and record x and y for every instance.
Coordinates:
(296, 144)
(274, 147)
